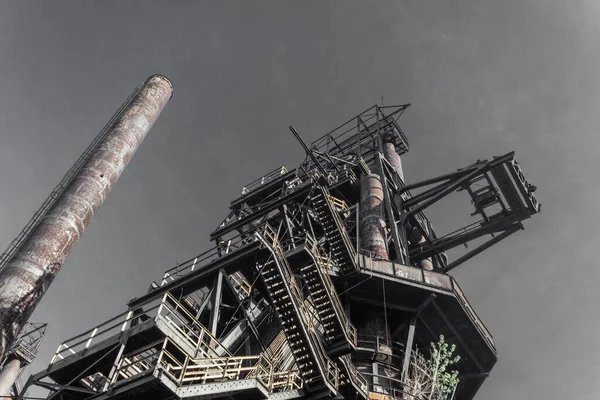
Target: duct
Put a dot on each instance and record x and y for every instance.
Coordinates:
(372, 225)
(27, 276)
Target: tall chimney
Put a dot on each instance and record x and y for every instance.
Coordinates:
(26, 277)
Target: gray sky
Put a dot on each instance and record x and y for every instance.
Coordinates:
(484, 77)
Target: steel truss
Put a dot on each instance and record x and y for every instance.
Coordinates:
(281, 306)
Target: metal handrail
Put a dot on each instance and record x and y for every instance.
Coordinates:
(74, 344)
(264, 179)
(322, 265)
(171, 304)
(331, 370)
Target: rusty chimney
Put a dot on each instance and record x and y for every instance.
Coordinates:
(26, 277)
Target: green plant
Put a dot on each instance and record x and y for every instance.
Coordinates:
(442, 357)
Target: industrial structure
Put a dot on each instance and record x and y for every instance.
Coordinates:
(32, 260)
(326, 280)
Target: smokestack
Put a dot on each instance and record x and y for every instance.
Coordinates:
(414, 236)
(372, 225)
(26, 277)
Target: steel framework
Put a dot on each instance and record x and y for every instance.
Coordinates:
(294, 301)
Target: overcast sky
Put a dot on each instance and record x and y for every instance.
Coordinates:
(484, 78)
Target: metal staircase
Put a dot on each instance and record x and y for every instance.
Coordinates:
(319, 372)
(339, 333)
(342, 249)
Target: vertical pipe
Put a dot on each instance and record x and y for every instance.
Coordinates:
(9, 375)
(372, 226)
(25, 279)
(390, 154)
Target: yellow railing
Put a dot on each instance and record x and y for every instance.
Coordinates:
(322, 263)
(331, 370)
(364, 165)
(196, 334)
(337, 203)
(241, 282)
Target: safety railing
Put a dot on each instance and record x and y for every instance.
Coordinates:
(380, 344)
(95, 381)
(138, 362)
(342, 230)
(106, 330)
(338, 204)
(322, 263)
(332, 372)
(186, 370)
(172, 312)
(329, 368)
(357, 378)
(271, 176)
(197, 335)
(206, 258)
(286, 380)
(239, 282)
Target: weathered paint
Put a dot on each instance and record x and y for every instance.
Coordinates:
(27, 276)
(372, 225)
(8, 376)
(391, 156)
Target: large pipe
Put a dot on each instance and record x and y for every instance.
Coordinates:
(414, 235)
(9, 375)
(25, 279)
(372, 224)
(390, 154)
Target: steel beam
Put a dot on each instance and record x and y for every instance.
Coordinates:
(483, 247)
(444, 244)
(215, 301)
(389, 211)
(408, 347)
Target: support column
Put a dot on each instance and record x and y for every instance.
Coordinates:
(217, 294)
(408, 347)
(9, 375)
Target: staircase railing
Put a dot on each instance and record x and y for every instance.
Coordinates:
(322, 264)
(329, 368)
(339, 223)
(196, 334)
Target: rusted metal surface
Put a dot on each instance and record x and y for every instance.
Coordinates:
(391, 156)
(27, 276)
(410, 273)
(372, 225)
(438, 280)
(9, 375)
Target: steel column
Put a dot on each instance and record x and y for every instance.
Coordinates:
(217, 295)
